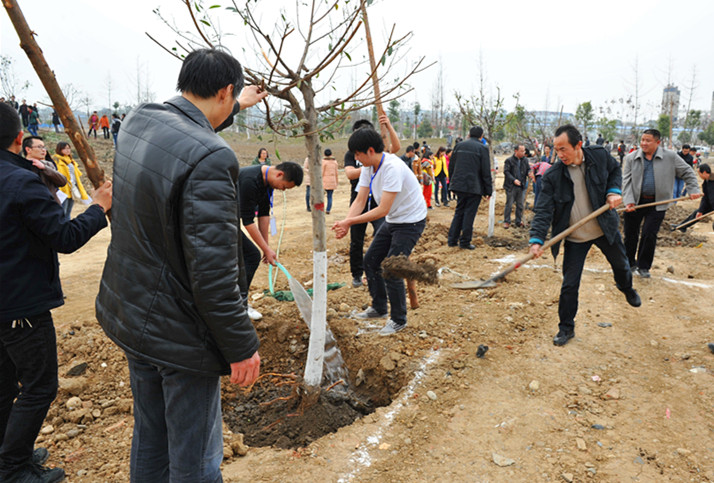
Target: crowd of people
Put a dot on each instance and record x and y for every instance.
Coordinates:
(190, 228)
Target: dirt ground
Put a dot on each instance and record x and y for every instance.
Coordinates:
(631, 398)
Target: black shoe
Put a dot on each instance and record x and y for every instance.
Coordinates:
(437, 203)
(446, 203)
(470, 246)
(33, 473)
(562, 338)
(452, 245)
(633, 298)
(643, 273)
(40, 455)
(711, 347)
(357, 282)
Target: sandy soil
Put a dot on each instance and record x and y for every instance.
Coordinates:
(629, 399)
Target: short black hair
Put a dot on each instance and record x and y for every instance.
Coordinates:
(410, 149)
(206, 71)
(27, 143)
(574, 136)
(416, 145)
(704, 168)
(686, 146)
(328, 152)
(291, 172)
(693, 148)
(654, 133)
(476, 132)
(10, 125)
(362, 123)
(363, 139)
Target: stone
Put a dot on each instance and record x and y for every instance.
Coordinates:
(47, 429)
(345, 307)
(534, 386)
(568, 477)
(584, 390)
(502, 461)
(227, 452)
(360, 377)
(78, 369)
(612, 394)
(74, 386)
(670, 269)
(72, 433)
(580, 442)
(431, 395)
(683, 452)
(73, 403)
(96, 413)
(387, 363)
(238, 446)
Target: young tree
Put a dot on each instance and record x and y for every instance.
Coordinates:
(608, 128)
(584, 115)
(10, 85)
(297, 60)
(393, 112)
(425, 129)
(664, 124)
(708, 134)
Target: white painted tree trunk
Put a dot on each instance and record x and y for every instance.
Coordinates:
(316, 348)
(491, 213)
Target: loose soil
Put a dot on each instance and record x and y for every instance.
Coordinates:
(629, 399)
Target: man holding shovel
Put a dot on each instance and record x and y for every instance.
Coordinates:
(585, 179)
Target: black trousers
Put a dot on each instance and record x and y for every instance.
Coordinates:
(462, 224)
(391, 239)
(573, 263)
(251, 258)
(641, 249)
(28, 385)
(357, 233)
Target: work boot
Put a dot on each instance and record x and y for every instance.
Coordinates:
(563, 337)
(40, 456)
(643, 273)
(633, 298)
(32, 473)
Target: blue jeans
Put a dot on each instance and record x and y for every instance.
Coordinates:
(329, 201)
(441, 181)
(573, 263)
(28, 356)
(67, 207)
(678, 188)
(391, 239)
(114, 135)
(462, 225)
(33, 129)
(177, 425)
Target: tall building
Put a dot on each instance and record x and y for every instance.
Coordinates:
(670, 101)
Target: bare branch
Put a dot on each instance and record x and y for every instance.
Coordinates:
(198, 28)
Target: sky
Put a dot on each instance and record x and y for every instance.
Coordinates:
(552, 53)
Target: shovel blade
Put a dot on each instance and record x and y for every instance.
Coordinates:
(474, 284)
(302, 299)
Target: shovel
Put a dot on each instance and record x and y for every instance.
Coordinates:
(691, 222)
(491, 282)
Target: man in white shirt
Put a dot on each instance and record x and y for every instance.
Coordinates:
(386, 178)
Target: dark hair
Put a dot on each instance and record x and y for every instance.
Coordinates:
(686, 146)
(416, 145)
(574, 136)
(206, 71)
(10, 125)
(363, 139)
(693, 148)
(441, 149)
(704, 168)
(266, 152)
(427, 154)
(449, 150)
(517, 146)
(60, 146)
(362, 123)
(27, 143)
(654, 133)
(476, 132)
(410, 149)
(328, 152)
(291, 172)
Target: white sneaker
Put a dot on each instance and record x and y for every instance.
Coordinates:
(254, 314)
(391, 327)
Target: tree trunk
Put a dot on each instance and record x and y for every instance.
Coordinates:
(316, 347)
(375, 82)
(492, 200)
(34, 53)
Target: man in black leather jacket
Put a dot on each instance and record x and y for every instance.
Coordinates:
(169, 295)
(583, 180)
(515, 176)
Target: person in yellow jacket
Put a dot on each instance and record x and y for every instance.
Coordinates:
(68, 167)
(441, 173)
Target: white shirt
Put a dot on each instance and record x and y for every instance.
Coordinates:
(393, 176)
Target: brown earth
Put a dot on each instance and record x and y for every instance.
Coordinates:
(619, 403)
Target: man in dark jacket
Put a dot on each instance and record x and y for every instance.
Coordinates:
(707, 203)
(515, 173)
(170, 295)
(470, 179)
(34, 229)
(581, 182)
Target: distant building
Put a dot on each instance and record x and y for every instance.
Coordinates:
(670, 101)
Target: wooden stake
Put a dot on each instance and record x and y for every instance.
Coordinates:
(59, 102)
(375, 81)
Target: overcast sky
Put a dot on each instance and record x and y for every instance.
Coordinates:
(552, 52)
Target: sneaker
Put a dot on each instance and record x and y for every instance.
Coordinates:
(562, 338)
(254, 314)
(32, 473)
(357, 282)
(446, 203)
(634, 270)
(643, 273)
(437, 203)
(633, 298)
(506, 225)
(370, 313)
(40, 456)
(391, 327)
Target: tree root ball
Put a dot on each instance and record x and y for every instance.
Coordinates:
(401, 267)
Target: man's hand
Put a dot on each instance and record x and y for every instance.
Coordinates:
(38, 164)
(536, 250)
(614, 200)
(102, 196)
(694, 196)
(698, 215)
(244, 373)
(516, 182)
(250, 96)
(341, 228)
(630, 207)
(269, 256)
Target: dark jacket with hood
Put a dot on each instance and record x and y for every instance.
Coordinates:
(33, 228)
(602, 176)
(470, 168)
(170, 289)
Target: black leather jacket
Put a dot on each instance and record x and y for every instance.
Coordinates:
(470, 168)
(602, 176)
(170, 289)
